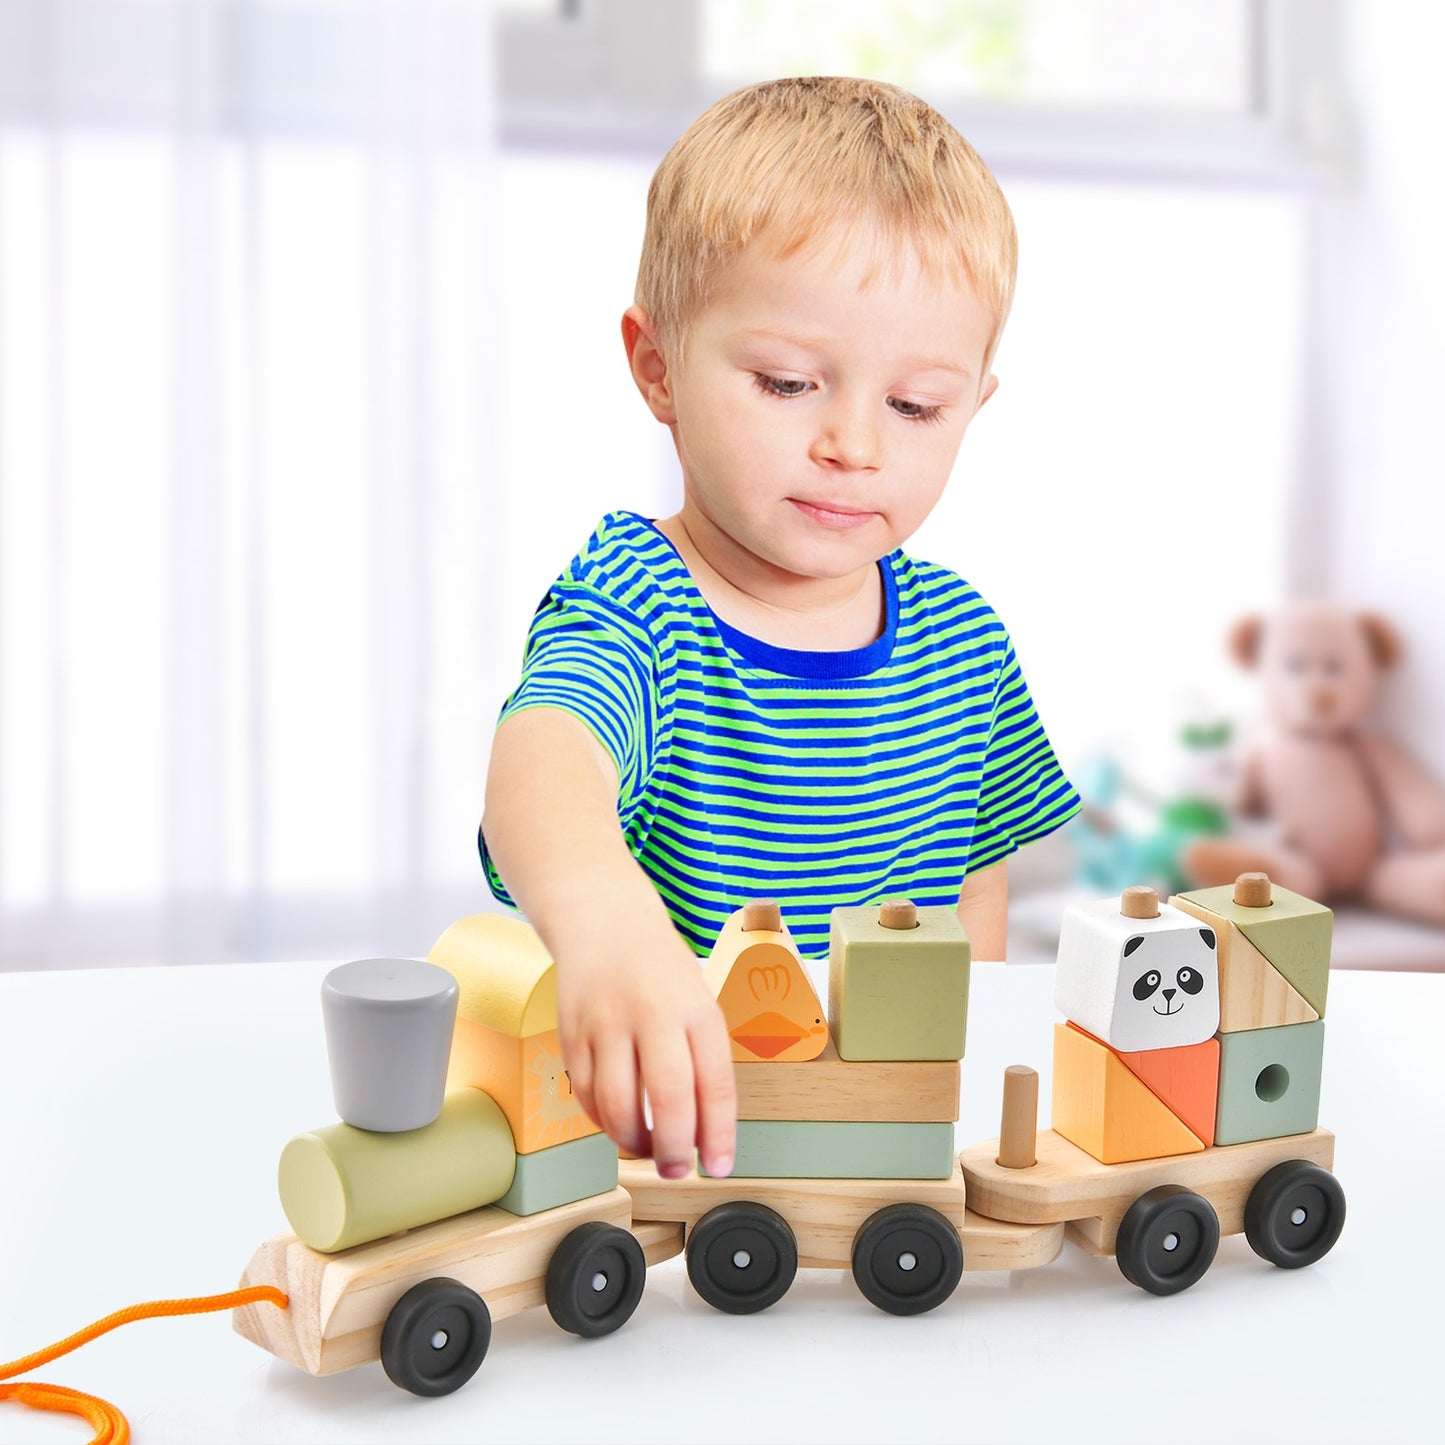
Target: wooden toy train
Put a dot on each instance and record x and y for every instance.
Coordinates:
(1185, 1100)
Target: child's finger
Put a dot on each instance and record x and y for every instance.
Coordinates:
(668, 1078)
(717, 1096)
(615, 1093)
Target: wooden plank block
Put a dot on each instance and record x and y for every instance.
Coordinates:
(526, 1077)
(842, 1149)
(897, 992)
(1269, 1082)
(338, 1303)
(1293, 932)
(659, 1239)
(832, 1088)
(1107, 1110)
(1253, 993)
(548, 1178)
(824, 1214)
(757, 976)
(1067, 1184)
(996, 1244)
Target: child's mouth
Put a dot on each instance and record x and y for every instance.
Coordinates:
(839, 519)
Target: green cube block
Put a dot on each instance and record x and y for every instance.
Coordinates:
(895, 993)
(828, 1149)
(561, 1174)
(1269, 1082)
(1293, 933)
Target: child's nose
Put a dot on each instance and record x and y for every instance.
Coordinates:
(849, 437)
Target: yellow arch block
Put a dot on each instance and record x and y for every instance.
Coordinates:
(506, 979)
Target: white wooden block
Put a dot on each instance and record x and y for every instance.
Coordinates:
(1138, 983)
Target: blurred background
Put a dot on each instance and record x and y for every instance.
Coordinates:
(311, 382)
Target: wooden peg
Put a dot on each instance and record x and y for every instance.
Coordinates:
(1139, 901)
(763, 916)
(1253, 890)
(1020, 1123)
(898, 913)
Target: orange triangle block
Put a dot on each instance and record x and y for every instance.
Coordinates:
(1186, 1079)
(1107, 1110)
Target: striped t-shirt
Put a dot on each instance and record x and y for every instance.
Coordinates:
(820, 779)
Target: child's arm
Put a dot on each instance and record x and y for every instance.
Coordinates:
(983, 911)
(632, 1006)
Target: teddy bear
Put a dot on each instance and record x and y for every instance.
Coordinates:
(1355, 816)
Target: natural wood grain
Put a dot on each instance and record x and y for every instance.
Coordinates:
(1066, 1184)
(824, 1214)
(1253, 993)
(832, 1088)
(1020, 1120)
(339, 1302)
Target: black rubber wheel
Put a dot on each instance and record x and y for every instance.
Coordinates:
(595, 1279)
(435, 1337)
(1294, 1214)
(907, 1259)
(1167, 1239)
(741, 1257)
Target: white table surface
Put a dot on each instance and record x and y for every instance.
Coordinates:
(144, 1111)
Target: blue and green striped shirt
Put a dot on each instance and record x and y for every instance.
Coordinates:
(819, 779)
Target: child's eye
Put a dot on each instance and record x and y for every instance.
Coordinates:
(780, 385)
(914, 410)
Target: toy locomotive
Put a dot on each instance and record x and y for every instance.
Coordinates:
(466, 1183)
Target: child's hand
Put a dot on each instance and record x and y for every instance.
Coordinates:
(636, 1015)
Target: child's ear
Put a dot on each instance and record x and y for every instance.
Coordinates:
(990, 385)
(647, 363)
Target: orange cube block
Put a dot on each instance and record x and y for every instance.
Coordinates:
(1105, 1109)
(526, 1077)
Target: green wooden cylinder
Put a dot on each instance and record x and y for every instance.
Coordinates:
(342, 1186)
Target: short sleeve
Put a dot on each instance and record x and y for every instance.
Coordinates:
(589, 657)
(1023, 793)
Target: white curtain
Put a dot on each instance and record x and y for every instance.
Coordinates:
(245, 475)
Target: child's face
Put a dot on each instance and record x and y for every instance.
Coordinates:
(817, 419)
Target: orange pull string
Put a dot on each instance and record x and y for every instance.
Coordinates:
(110, 1425)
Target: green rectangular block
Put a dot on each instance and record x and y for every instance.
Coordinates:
(844, 1149)
(1269, 1082)
(897, 994)
(561, 1174)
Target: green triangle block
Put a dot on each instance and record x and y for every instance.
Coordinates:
(1293, 933)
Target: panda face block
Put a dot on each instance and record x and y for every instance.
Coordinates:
(1138, 983)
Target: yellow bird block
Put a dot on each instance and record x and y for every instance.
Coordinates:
(756, 974)
(506, 979)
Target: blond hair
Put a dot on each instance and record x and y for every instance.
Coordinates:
(789, 159)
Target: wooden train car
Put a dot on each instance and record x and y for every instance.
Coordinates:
(1141, 1163)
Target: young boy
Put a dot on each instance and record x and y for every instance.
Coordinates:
(762, 696)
